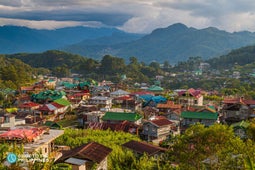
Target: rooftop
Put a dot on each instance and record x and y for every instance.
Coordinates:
(199, 115)
(143, 147)
(121, 116)
(92, 151)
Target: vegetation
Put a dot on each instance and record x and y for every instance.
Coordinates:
(215, 147)
(119, 159)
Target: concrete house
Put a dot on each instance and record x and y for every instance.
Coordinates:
(190, 97)
(157, 130)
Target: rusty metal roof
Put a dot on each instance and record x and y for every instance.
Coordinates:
(143, 147)
(92, 151)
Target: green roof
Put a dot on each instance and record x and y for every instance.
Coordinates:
(155, 88)
(69, 85)
(48, 94)
(199, 115)
(53, 125)
(121, 116)
(62, 101)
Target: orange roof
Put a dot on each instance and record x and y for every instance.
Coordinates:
(169, 104)
(27, 88)
(28, 105)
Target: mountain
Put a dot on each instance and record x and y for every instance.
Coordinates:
(15, 39)
(174, 43)
(241, 56)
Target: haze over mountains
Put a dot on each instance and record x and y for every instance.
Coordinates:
(174, 43)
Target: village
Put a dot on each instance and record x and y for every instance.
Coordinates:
(41, 112)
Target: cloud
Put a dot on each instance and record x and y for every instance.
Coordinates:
(140, 16)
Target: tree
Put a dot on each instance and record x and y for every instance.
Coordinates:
(216, 143)
(111, 65)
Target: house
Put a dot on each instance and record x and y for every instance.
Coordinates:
(118, 117)
(168, 106)
(157, 129)
(155, 89)
(206, 118)
(34, 139)
(119, 93)
(150, 100)
(237, 109)
(86, 156)
(47, 96)
(149, 112)
(140, 148)
(85, 118)
(76, 98)
(128, 102)
(58, 108)
(190, 97)
(9, 120)
(28, 107)
(101, 101)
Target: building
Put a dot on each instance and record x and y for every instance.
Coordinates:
(190, 118)
(190, 97)
(101, 101)
(34, 139)
(86, 156)
(118, 117)
(157, 129)
(9, 120)
(140, 148)
(237, 109)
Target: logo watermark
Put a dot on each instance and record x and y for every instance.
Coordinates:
(26, 157)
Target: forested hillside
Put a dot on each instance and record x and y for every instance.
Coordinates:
(14, 73)
(241, 56)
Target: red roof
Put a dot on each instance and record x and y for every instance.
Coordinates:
(191, 91)
(161, 122)
(22, 134)
(231, 101)
(29, 105)
(238, 100)
(57, 105)
(249, 102)
(124, 98)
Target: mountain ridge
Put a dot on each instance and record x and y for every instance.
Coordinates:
(174, 43)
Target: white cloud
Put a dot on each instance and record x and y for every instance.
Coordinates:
(141, 16)
(45, 24)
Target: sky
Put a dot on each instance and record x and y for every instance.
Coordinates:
(136, 16)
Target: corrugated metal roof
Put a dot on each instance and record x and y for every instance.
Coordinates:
(143, 147)
(119, 116)
(199, 115)
(75, 161)
(92, 151)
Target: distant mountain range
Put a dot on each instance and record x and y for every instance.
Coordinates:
(174, 43)
(14, 39)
